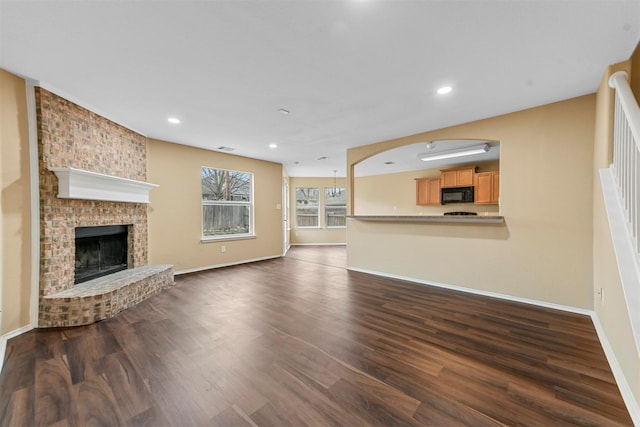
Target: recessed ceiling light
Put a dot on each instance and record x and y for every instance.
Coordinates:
(389, 163)
(272, 145)
(283, 111)
(322, 158)
(173, 120)
(444, 90)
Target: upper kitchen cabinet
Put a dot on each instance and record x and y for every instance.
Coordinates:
(427, 191)
(457, 177)
(487, 188)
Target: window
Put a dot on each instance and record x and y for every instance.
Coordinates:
(307, 207)
(227, 203)
(335, 207)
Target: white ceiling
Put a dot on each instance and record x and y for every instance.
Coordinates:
(351, 72)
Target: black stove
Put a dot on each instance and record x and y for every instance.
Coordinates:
(461, 213)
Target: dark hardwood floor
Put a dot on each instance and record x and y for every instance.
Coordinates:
(301, 341)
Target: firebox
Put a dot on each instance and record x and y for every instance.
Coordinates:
(100, 251)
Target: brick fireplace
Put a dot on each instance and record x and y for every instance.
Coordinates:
(70, 136)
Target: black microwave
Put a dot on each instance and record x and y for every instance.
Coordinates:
(456, 195)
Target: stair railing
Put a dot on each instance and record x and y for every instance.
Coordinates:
(626, 153)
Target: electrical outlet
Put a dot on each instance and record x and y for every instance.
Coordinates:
(223, 249)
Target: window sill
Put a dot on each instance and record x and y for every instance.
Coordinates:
(226, 238)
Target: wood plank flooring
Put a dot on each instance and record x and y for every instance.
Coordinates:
(301, 341)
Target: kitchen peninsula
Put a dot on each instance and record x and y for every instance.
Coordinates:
(459, 219)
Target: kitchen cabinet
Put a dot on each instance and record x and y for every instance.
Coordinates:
(427, 191)
(459, 177)
(487, 188)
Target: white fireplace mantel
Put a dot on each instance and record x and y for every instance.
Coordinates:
(80, 184)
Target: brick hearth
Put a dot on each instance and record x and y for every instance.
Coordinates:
(105, 297)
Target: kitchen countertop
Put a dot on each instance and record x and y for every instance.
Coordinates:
(479, 219)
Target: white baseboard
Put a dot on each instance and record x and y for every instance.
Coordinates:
(318, 244)
(567, 308)
(623, 385)
(228, 264)
(6, 337)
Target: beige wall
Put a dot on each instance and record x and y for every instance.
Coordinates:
(322, 235)
(14, 204)
(542, 252)
(395, 194)
(175, 210)
(612, 311)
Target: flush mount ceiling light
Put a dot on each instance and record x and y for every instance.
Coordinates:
(444, 90)
(173, 120)
(223, 148)
(284, 111)
(458, 152)
(273, 145)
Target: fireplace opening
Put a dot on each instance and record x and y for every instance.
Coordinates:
(100, 251)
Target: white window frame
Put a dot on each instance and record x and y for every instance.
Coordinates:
(317, 209)
(325, 206)
(250, 204)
